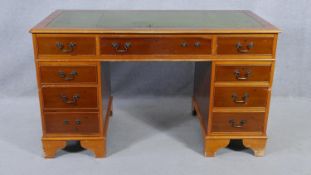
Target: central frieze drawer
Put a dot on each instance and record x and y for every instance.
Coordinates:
(69, 97)
(155, 45)
(65, 45)
(240, 97)
(71, 123)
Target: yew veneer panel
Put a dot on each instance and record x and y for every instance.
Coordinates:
(238, 73)
(68, 74)
(230, 123)
(240, 97)
(73, 98)
(66, 45)
(71, 123)
(163, 45)
(228, 45)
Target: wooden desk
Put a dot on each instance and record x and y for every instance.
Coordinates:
(233, 51)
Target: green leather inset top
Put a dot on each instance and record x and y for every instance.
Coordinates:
(155, 19)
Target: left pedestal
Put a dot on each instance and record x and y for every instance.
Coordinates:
(74, 97)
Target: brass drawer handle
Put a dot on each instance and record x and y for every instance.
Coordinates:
(70, 47)
(73, 100)
(70, 76)
(78, 122)
(184, 44)
(66, 122)
(243, 99)
(197, 44)
(237, 125)
(238, 76)
(117, 46)
(240, 47)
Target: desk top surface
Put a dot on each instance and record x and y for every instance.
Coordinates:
(152, 21)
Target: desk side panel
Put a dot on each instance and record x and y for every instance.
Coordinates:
(201, 93)
(105, 94)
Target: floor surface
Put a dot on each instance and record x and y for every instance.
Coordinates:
(153, 136)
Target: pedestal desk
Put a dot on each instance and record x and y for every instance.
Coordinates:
(234, 55)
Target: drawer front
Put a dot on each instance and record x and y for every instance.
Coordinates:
(155, 45)
(66, 45)
(71, 123)
(68, 74)
(244, 45)
(69, 97)
(238, 122)
(242, 73)
(240, 97)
